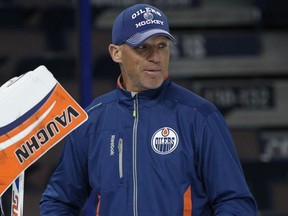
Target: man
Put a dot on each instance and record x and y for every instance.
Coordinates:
(149, 141)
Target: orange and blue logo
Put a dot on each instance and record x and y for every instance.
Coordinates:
(164, 141)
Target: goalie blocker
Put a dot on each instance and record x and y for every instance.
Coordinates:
(36, 113)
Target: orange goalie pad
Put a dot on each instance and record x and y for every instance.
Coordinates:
(35, 125)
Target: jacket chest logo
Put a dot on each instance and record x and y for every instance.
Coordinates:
(164, 141)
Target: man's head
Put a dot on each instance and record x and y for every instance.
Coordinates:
(141, 45)
(138, 23)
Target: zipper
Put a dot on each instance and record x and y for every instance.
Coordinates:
(120, 150)
(135, 125)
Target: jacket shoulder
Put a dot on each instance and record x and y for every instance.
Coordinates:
(95, 112)
(190, 99)
(101, 101)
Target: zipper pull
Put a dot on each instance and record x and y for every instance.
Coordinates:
(135, 108)
(134, 113)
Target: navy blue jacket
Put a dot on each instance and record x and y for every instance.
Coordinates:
(140, 154)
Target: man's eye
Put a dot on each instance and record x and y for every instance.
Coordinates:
(141, 47)
(162, 45)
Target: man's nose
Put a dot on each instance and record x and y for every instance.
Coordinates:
(154, 55)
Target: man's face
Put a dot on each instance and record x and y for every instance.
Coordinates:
(146, 66)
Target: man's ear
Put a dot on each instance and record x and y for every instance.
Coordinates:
(115, 53)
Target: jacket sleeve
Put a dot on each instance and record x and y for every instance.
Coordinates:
(221, 170)
(68, 188)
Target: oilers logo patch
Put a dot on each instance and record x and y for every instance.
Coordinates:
(164, 141)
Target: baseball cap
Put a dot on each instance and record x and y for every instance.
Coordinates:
(138, 23)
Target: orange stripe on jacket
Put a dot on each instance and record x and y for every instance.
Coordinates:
(187, 203)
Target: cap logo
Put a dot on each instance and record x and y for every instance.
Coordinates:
(164, 141)
(148, 16)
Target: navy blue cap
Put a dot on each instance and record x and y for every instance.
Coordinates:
(138, 23)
